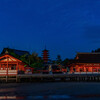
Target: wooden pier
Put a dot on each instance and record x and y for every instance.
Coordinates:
(51, 77)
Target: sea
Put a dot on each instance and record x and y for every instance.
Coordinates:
(50, 91)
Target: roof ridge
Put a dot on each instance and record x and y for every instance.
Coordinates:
(17, 50)
(88, 53)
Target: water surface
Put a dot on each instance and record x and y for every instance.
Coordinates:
(50, 91)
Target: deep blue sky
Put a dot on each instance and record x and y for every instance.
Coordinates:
(64, 26)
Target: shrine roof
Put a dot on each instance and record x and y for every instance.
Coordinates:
(18, 52)
(87, 58)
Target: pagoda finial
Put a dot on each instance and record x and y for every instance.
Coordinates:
(45, 47)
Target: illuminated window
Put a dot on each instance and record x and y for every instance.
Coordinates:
(94, 70)
(81, 69)
(13, 67)
(98, 70)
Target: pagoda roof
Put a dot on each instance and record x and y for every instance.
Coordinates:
(45, 50)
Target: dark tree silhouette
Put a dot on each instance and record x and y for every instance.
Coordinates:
(65, 61)
(97, 50)
(58, 59)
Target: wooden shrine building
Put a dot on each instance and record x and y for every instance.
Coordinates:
(10, 65)
(85, 63)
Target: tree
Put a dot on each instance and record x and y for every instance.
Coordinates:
(97, 50)
(65, 62)
(24, 58)
(35, 61)
(58, 59)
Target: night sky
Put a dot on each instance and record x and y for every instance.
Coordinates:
(64, 26)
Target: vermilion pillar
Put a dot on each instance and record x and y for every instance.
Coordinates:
(7, 66)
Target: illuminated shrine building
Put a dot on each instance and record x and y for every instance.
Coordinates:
(45, 54)
(10, 65)
(86, 62)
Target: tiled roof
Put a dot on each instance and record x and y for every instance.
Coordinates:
(87, 58)
(18, 52)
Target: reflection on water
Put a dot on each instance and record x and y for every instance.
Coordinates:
(51, 97)
(88, 96)
(34, 97)
(50, 91)
(11, 98)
